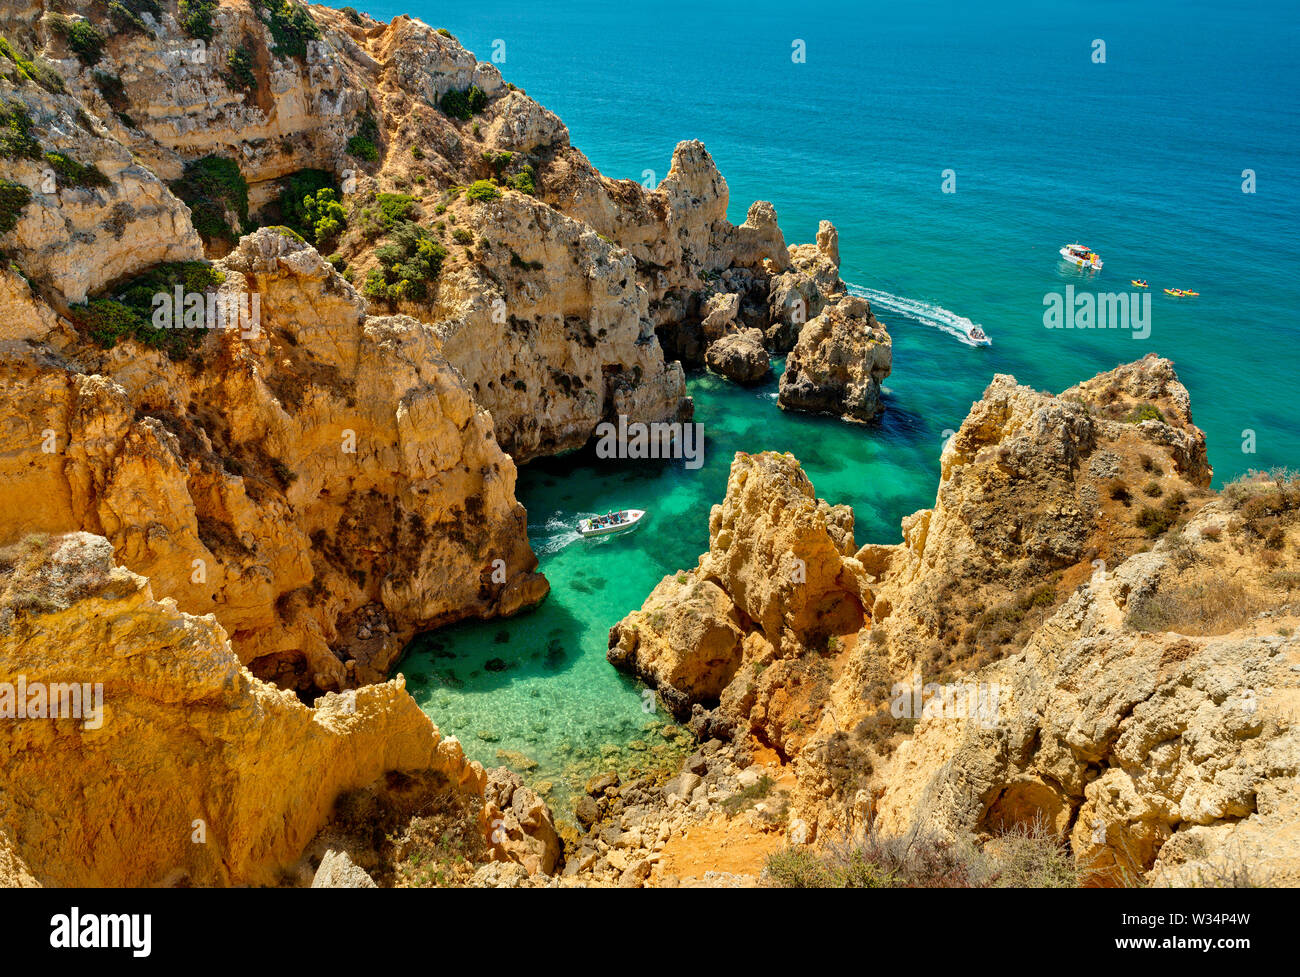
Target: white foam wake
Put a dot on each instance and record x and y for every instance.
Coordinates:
(553, 535)
(926, 313)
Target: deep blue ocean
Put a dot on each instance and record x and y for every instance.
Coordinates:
(1141, 157)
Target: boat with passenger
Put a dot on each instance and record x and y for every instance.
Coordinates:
(1081, 255)
(610, 522)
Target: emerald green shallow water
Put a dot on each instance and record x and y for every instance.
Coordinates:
(536, 689)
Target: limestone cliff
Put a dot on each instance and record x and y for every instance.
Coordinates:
(1125, 633)
(194, 772)
(324, 483)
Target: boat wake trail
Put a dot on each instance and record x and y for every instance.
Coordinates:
(553, 535)
(926, 313)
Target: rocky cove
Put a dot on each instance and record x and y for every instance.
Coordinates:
(475, 297)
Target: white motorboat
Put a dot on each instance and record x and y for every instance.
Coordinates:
(611, 522)
(978, 336)
(1081, 255)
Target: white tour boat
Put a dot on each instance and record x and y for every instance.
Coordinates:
(1081, 255)
(611, 522)
(978, 336)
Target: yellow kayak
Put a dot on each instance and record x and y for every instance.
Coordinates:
(1138, 282)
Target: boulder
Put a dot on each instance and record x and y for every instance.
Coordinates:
(839, 363)
(337, 871)
(740, 356)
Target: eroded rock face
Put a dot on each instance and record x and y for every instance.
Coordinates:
(1033, 485)
(550, 327)
(839, 363)
(1137, 713)
(73, 237)
(326, 485)
(685, 641)
(228, 777)
(1161, 753)
(776, 578)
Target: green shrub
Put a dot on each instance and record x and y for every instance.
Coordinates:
(82, 38)
(38, 71)
(802, 868)
(328, 217)
(72, 173)
(196, 18)
(351, 14)
(482, 190)
(1155, 521)
(444, 32)
(464, 105)
(395, 208)
(408, 263)
(125, 19)
(16, 139)
(748, 796)
(363, 148)
(214, 188)
(287, 231)
(297, 188)
(129, 313)
(456, 105)
(13, 198)
(525, 181)
(462, 236)
(291, 26)
(497, 161)
(362, 145)
(1144, 412)
(239, 70)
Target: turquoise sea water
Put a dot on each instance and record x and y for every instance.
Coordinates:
(1140, 157)
(538, 685)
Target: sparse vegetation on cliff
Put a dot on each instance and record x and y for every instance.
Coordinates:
(409, 262)
(216, 192)
(16, 139)
(464, 105)
(82, 38)
(125, 15)
(1027, 856)
(196, 18)
(388, 211)
(30, 69)
(13, 198)
(291, 25)
(239, 70)
(363, 144)
(129, 313)
(75, 174)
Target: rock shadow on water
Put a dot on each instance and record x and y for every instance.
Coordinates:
(475, 649)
